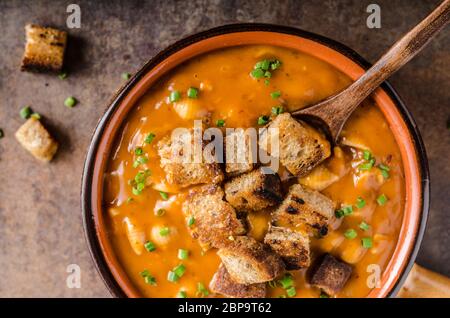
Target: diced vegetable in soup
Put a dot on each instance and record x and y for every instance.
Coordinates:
(315, 226)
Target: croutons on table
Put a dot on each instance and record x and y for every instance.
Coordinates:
(292, 246)
(214, 220)
(254, 190)
(223, 284)
(33, 136)
(304, 206)
(183, 169)
(331, 275)
(239, 155)
(44, 49)
(250, 262)
(301, 148)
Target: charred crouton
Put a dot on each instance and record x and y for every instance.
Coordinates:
(331, 275)
(250, 262)
(222, 283)
(304, 206)
(214, 220)
(182, 168)
(254, 190)
(33, 136)
(292, 246)
(44, 49)
(301, 148)
(240, 157)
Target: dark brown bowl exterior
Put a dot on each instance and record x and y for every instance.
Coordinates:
(88, 199)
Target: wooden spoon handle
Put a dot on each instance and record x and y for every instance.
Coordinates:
(422, 283)
(399, 54)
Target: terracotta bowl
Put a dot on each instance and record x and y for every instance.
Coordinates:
(336, 54)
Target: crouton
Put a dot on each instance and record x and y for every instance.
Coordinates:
(331, 275)
(33, 136)
(214, 220)
(303, 206)
(185, 171)
(301, 148)
(292, 246)
(250, 262)
(44, 49)
(239, 155)
(222, 283)
(254, 190)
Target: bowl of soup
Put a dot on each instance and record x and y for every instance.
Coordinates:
(328, 220)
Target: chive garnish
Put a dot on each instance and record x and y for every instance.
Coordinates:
(149, 246)
(174, 96)
(277, 110)
(192, 92)
(181, 294)
(138, 151)
(262, 120)
(164, 195)
(201, 290)
(344, 211)
(360, 203)
(149, 138)
(179, 270)
(291, 292)
(25, 112)
(286, 281)
(350, 234)
(191, 221)
(257, 73)
(364, 226)
(172, 277)
(220, 123)
(183, 254)
(366, 242)
(382, 199)
(164, 231)
(62, 75)
(148, 278)
(70, 102)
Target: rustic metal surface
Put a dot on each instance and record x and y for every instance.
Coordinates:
(40, 221)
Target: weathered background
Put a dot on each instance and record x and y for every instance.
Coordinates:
(40, 220)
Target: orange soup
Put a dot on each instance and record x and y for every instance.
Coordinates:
(363, 176)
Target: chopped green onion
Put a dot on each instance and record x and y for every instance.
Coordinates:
(140, 177)
(267, 74)
(350, 234)
(275, 95)
(275, 64)
(172, 277)
(149, 138)
(384, 170)
(287, 281)
(323, 295)
(367, 165)
(62, 75)
(262, 120)
(364, 226)
(138, 151)
(136, 191)
(201, 290)
(291, 292)
(183, 254)
(360, 203)
(129, 200)
(164, 231)
(150, 280)
(385, 174)
(266, 82)
(366, 242)
(179, 270)
(277, 110)
(174, 96)
(25, 112)
(192, 92)
(126, 76)
(160, 212)
(35, 116)
(164, 195)
(257, 73)
(367, 155)
(144, 273)
(383, 167)
(264, 65)
(191, 221)
(220, 123)
(339, 213)
(344, 211)
(70, 102)
(382, 199)
(149, 246)
(181, 294)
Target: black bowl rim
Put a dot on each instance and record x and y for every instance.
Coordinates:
(86, 182)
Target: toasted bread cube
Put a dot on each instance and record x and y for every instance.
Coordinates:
(33, 136)
(215, 220)
(250, 262)
(331, 275)
(301, 148)
(222, 283)
(292, 246)
(44, 49)
(254, 190)
(303, 206)
(239, 155)
(185, 172)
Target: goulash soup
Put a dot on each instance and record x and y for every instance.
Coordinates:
(324, 225)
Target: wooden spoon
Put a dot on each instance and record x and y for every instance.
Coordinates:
(334, 111)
